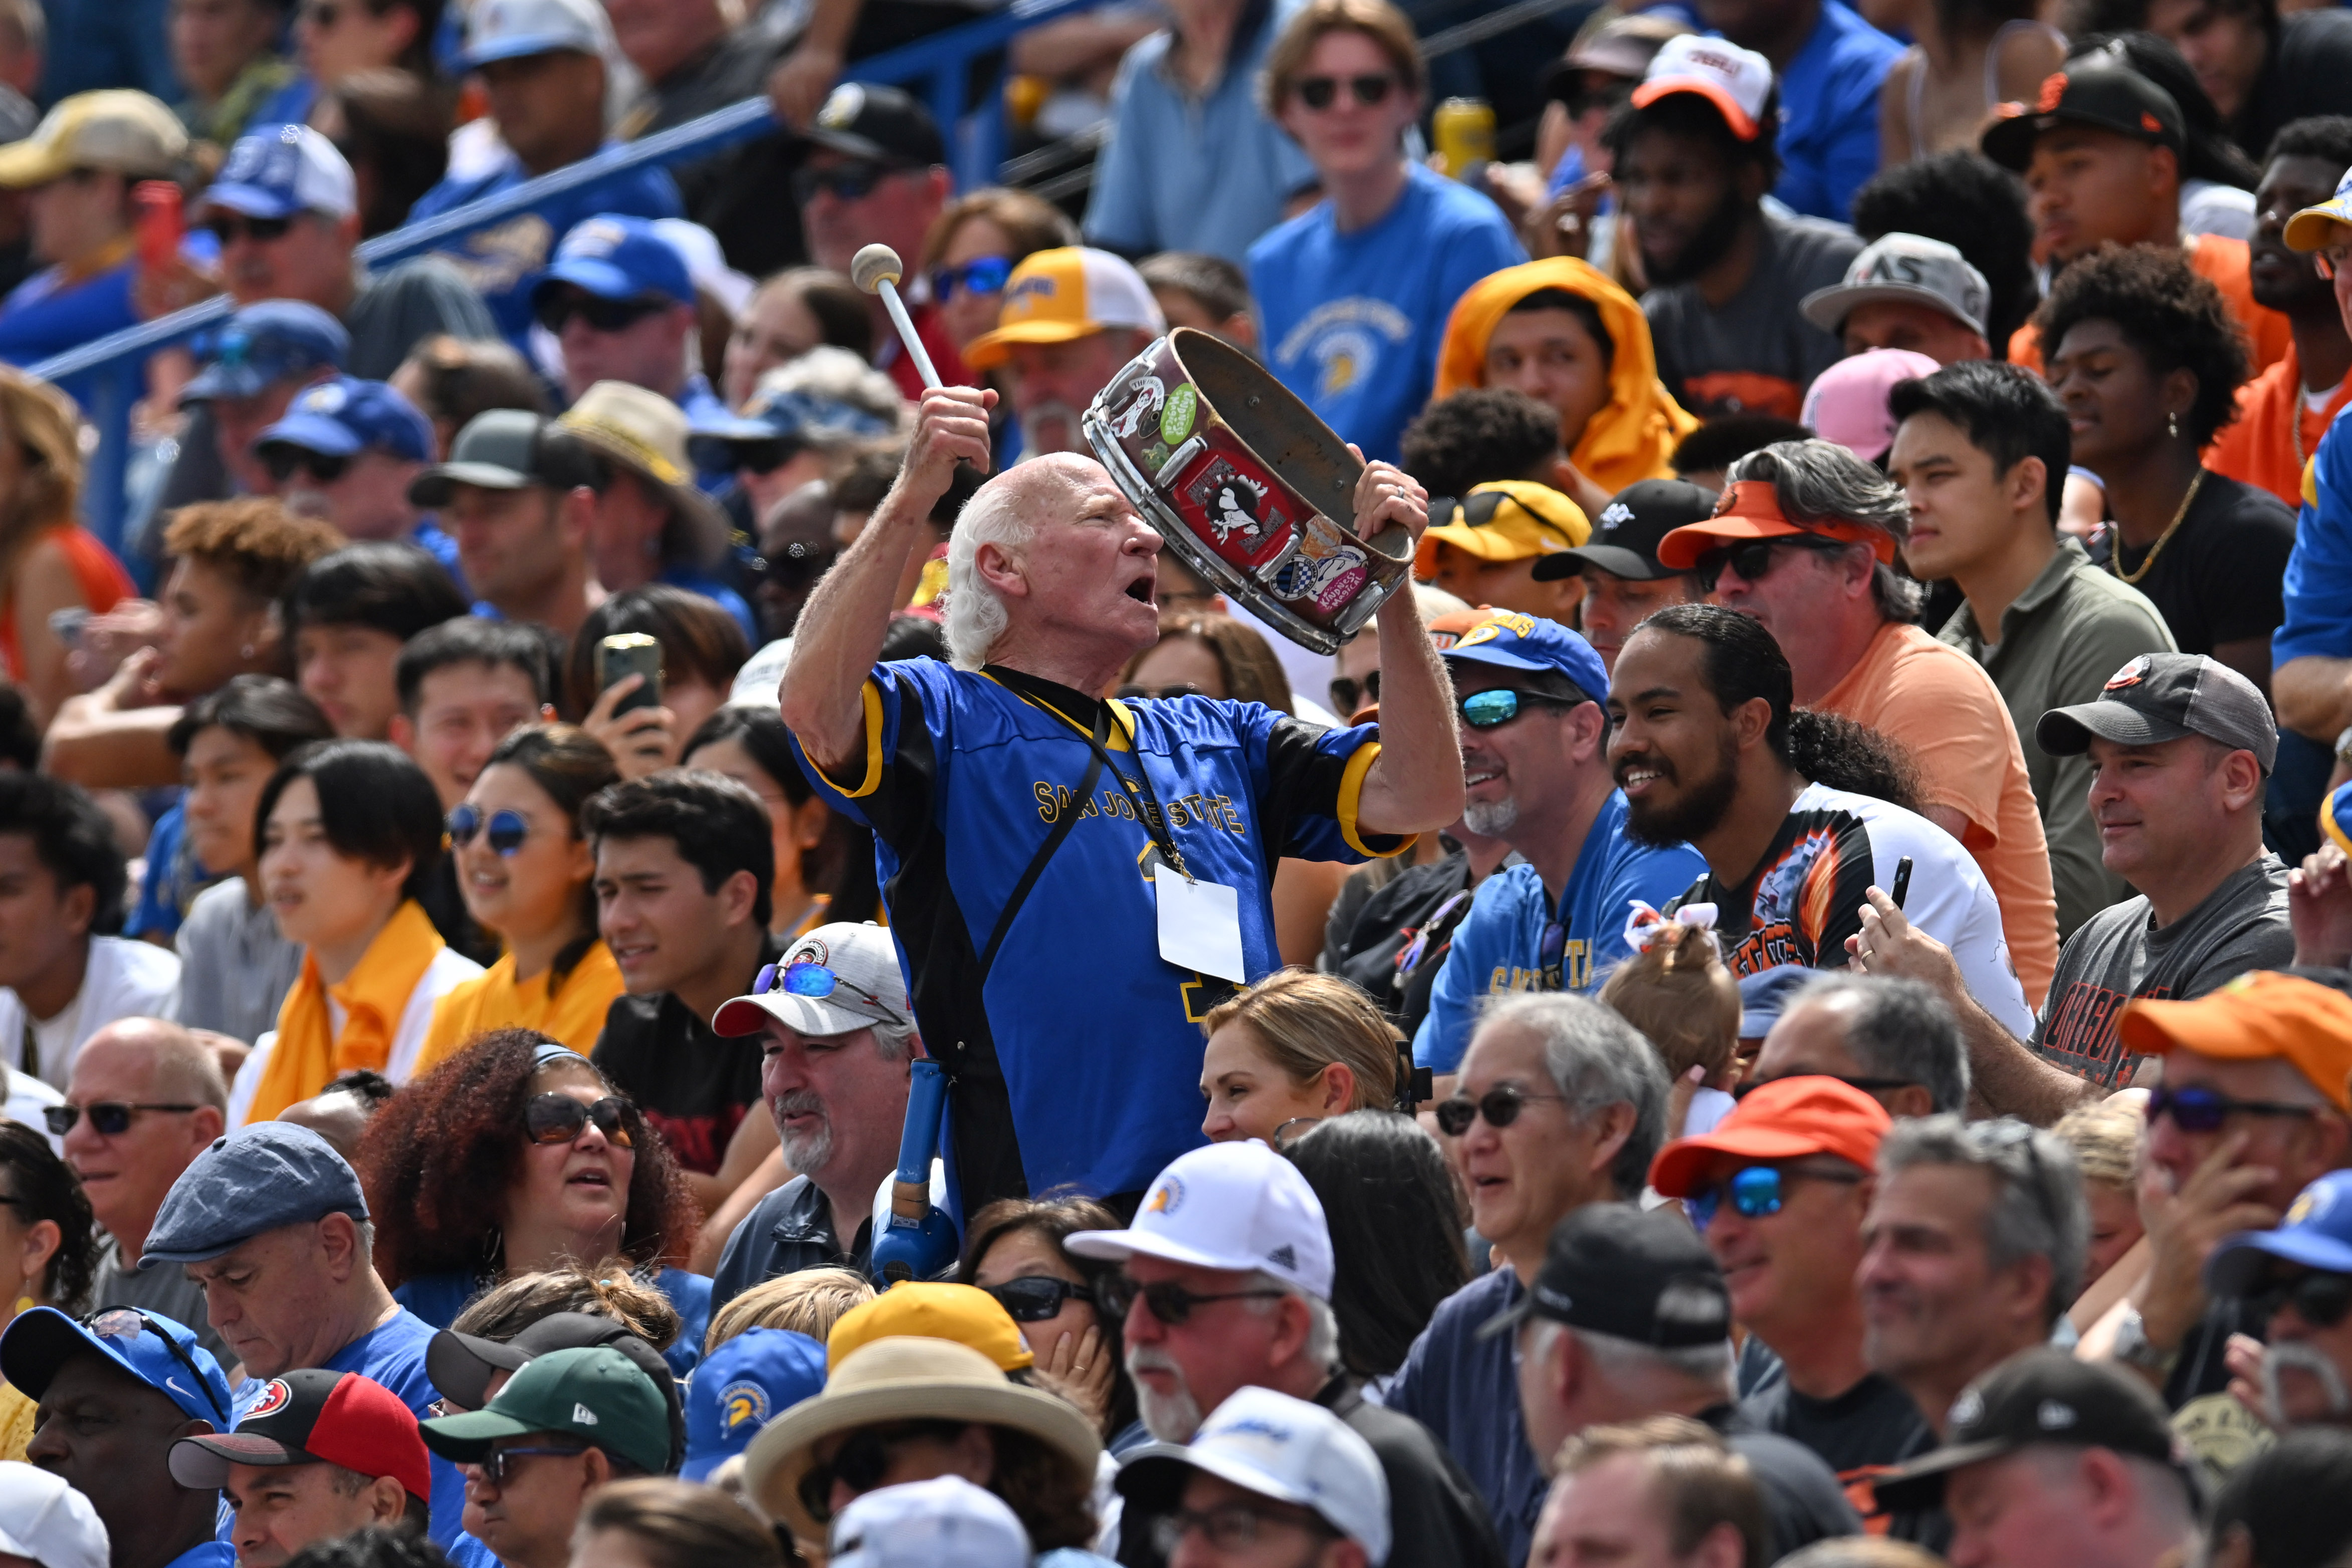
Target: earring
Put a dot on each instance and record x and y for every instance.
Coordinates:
(2172, 425)
(246, 651)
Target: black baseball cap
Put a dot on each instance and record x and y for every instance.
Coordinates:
(1618, 1269)
(2039, 1396)
(2098, 91)
(461, 1364)
(890, 124)
(2158, 698)
(1631, 524)
(506, 449)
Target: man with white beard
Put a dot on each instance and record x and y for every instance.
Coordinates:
(2299, 1278)
(1071, 317)
(838, 1035)
(1535, 739)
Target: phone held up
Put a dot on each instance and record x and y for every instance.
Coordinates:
(630, 654)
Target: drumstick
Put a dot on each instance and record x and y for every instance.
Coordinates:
(877, 270)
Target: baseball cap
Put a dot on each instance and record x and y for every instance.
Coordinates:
(1504, 520)
(504, 449)
(2312, 227)
(1737, 81)
(1635, 519)
(614, 257)
(1617, 1269)
(159, 1352)
(2158, 698)
(280, 170)
(265, 342)
(1908, 269)
(1785, 1119)
(313, 1416)
(932, 1310)
(2317, 1233)
(1847, 403)
(1766, 994)
(594, 1393)
(256, 1179)
(510, 29)
(2099, 90)
(867, 987)
(460, 1364)
(347, 415)
(742, 1386)
(715, 434)
(1236, 1205)
(923, 1524)
(1612, 45)
(1280, 1447)
(2038, 1395)
(1061, 294)
(114, 128)
(1750, 509)
(706, 263)
(645, 432)
(44, 1519)
(2256, 1017)
(864, 119)
(1511, 641)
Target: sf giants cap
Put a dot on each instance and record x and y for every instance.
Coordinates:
(1276, 1447)
(1062, 294)
(313, 1416)
(2099, 90)
(1904, 269)
(1634, 1273)
(866, 986)
(114, 128)
(2316, 227)
(1750, 509)
(1785, 1119)
(2158, 698)
(2037, 1396)
(2256, 1017)
(1237, 1206)
(1737, 81)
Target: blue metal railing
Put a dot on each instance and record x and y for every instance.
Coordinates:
(104, 376)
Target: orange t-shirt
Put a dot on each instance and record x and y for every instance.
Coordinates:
(1941, 707)
(2220, 261)
(2259, 446)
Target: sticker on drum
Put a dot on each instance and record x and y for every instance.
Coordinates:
(1176, 423)
(1237, 513)
(1329, 580)
(1146, 393)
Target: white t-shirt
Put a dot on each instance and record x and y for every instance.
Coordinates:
(23, 1098)
(124, 979)
(448, 970)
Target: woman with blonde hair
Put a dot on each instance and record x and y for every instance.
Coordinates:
(48, 562)
(1294, 1049)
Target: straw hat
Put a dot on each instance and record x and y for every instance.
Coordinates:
(903, 1379)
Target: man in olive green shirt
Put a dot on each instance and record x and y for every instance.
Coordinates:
(1982, 452)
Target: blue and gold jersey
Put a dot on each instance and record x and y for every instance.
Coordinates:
(1076, 1057)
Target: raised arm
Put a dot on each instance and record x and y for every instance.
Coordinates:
(841, 629)
(1415, 785)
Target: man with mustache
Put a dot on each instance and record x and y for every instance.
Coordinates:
(1071, 317)
(2300, 1277)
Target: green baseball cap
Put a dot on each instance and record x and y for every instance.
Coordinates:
(595, 1394)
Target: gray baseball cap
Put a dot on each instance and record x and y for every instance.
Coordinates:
(836, 979)
(257, 1178)
(1909, 269)
(2158, 698)
(504, 449)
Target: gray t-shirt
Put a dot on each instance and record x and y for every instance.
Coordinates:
(164, 1290)
(1756, 353)
(234, 968)
(2120, 954)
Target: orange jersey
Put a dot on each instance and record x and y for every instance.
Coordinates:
(2274, 432)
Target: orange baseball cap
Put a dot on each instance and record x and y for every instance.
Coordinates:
(1783, 1120)
(1061, 294)
(917, 1309)
(2253, 1017)
(1750, 509)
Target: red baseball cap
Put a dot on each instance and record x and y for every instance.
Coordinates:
(313, 1416)
(1783, 1120)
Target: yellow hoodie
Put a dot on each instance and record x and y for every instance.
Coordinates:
(1632, 436)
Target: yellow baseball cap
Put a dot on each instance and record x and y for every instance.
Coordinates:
(1507, 519)
(117, 130)
(920, 1311)
(2315, 227)
(1061, 294)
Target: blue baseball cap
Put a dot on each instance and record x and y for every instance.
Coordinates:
(1517, 641)
(157, 1351)
(278, 171)
(617, 257)
(257, 1178)
(1765, 995)
(2317, 1233)
(265, 342)
(347, 415)
(741, 1388)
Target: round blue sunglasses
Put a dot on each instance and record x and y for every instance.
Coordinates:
(506, 829)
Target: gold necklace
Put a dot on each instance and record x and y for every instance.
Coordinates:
(2115, 555)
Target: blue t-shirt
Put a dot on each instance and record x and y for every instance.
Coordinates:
(438, 1299)
(211, 1554)
(1829, 112)
(394, 1356)
(501, 263)
(174, 877)
(1498, 946)
(1076, 1055)
(1465, 1390)
(46, 315)
(2318, 591)
(1354, 321)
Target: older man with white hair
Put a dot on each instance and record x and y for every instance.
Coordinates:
(1074, 882)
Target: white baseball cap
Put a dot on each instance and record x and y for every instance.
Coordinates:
(48, 1521)
(923, 1523)
(511, 29)
(836, 979)
(282, 170)
(1237, 1207)
(706, 263)
(1276, 1447)
(1735, 80)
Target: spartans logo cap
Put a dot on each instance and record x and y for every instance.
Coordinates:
(742, 1386)
(1237, 1206)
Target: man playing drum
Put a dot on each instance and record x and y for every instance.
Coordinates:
(1074, 882)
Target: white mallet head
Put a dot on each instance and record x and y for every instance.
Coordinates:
(875, 266)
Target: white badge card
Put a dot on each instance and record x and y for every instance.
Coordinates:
(1200, 925)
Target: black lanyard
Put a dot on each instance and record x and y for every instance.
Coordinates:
(1147, 809)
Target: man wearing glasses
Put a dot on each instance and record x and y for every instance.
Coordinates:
(2297, 1277)
(620, 303)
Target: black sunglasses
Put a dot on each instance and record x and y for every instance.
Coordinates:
(2195, 1109)
(852, 182)
(1349, 693)
(760, 454)
(1170, 1303)
(1477, 512)
(1034, 1298)
(863, 1459)
(109, 1118)
(1753, 560)
(1322, 92)
(261, 230)
(1500, 1106)
(284, 462)
(2321, 1300)
(1867, 1085)
(129, 1322)
(555, 310)
(499, 1463)
(561, 1119)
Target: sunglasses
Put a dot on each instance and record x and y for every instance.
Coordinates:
(851, 181)
(1754, 560)
(1174, 689)
(862, 1461)
(127, 1323)
(321, 467)
(816, 982)
(506, 829)
(2197, 1110)
(1322, 92)
(261, 230)
(1755, 1192)
(1485, 710)
(761, 456)
(1500, 1106)
(498, 1465)
(108, 1118)
(2321, 1300)
(1477, 512)
(1867, 1085)
(980, 275)
(561, 1119)
(1233, 1527)
(1170, 1303)
(1034, 1298)
(554, 311)
(1349, 693)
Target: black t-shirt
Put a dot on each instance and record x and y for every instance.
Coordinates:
(2306, 72)
(1802, 1502)
(1433, 897)
(692, 1087)
(1860, 1434)
(2221, 575)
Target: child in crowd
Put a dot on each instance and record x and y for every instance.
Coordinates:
(1677, 991)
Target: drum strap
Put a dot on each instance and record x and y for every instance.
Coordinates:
(1067, 820)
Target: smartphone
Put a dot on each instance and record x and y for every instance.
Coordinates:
(161, 223)
(1902, 881)
(631, 653)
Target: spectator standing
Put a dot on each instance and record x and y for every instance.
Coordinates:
(1830, 66)
(346, 453)
(225, 53)
(49, 1250)
(53, 564)
(1625, 580)
(1071, 317)
(319, 1456)
(350, 614)
(1905, 291)
(1354, 292)
(516, 496)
